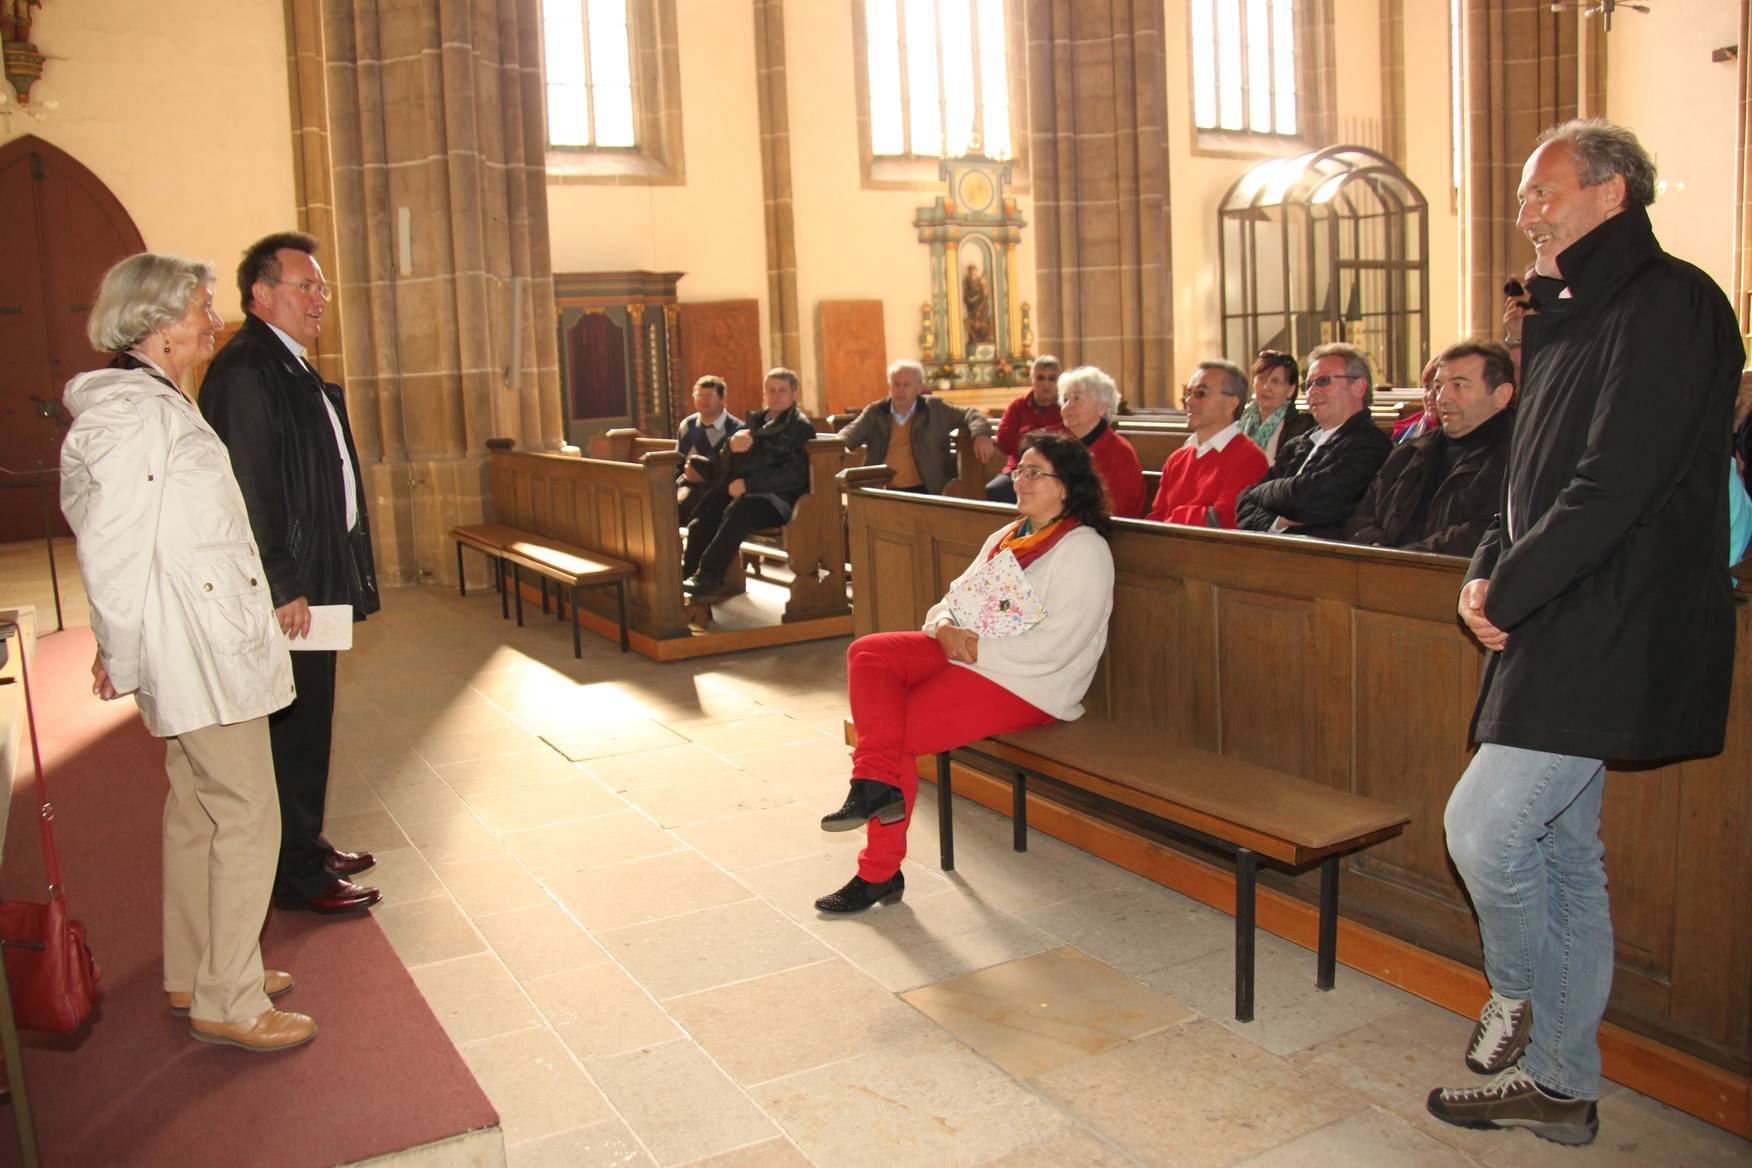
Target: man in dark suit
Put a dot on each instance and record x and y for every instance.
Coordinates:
(1601, 593)
(767, 473)
(292, 451)
(700, 442)
(1319, 476)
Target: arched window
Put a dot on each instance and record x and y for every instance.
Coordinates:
(938, 78)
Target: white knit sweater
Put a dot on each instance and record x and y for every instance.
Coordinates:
(1051, 665)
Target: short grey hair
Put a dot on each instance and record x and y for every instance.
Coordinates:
(1356, 364)
(780, 373)
(1094, 382)
(1234, 380)
(141, 295)
(906, 363)
(1602, 149)
(1046, 361)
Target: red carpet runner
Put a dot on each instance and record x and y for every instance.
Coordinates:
(134, 1088)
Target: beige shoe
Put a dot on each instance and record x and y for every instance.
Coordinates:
(269, 1030)
(274, 981)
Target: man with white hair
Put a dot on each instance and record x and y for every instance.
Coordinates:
(1088, 399)
(909, 432)
(1601, 594)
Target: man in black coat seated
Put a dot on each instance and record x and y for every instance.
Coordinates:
(1437, 493)
(768, 472)
(1319, 476)
(292, 452)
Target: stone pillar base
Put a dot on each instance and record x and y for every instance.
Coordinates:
(413, 507)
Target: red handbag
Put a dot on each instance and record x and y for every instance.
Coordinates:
(53, 979)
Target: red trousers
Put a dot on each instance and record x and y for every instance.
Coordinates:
(908, 700)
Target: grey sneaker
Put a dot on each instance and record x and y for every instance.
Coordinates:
(1513, 1099)
(1501, 1035)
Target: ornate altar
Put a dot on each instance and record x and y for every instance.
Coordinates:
(619, 352)
(975, 329)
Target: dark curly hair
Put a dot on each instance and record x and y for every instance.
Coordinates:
(1085, 496)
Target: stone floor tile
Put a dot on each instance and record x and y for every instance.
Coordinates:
(787, 832)
(678, 1103)
(1139, 930)
(372, 831)
(1289, 1013)
(545, 803)
(474, 997)
(711, 947)
(599, 1011)
(442, 749)
(743, 734)
(1634, 1131)
(491, 884)
(830, 1012)
(623, 772)
(610, 738)
(535, 1085)
(617, 895)
(431, 798)
(817, 757)
(1370, 1138)
(766, 1154)
(608, 1144)
(502, 771)
(453, 838)
(695, 799)
(927, 1102)
(1043, 1011)
(401, 875)
(424, 931)
(589, 843)
(1195, 1095)
(538, 941)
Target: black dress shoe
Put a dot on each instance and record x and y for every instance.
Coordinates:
(860, 894)
(348, 863)
(702, 588)
(343, 896)
(867, 800)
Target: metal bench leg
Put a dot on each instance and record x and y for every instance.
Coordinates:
(577, 637)
(945, 814)
(544, 604)
(517, 587)
(499, 583)
(1246, 867)
(1328, 952)
(620, 600)
(1019, 812)
(461, 584)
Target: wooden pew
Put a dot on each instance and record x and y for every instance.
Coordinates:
(1347, 666)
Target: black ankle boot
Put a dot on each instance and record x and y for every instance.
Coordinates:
(867, 800)
(860, 894)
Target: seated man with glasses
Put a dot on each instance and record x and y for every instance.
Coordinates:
(1202, 479)
(1320, 476)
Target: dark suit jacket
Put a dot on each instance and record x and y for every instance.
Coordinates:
(1317, 489)
(266, 406)
(778, 462)
(1608, 565)
(1460, 506)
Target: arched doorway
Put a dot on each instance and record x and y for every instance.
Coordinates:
(60, 230)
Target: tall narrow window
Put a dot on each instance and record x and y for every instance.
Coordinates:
(938, 81)
(1244, 77)
(589, 74)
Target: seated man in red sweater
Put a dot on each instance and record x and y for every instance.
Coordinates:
(1038, 409)
(1202, 478)
(1088, 400)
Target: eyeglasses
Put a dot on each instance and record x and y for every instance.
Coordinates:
(1027, 474)
(1195, 394)
(305, 287)
(1326, 379)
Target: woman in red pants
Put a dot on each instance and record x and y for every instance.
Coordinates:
(919, 693)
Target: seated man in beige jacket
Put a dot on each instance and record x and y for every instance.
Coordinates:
(909, 431)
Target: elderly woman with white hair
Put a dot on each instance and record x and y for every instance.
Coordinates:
(1087, 401)
(184, 623)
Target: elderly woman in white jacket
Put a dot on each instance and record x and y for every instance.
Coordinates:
(183, 621)
(945, 686)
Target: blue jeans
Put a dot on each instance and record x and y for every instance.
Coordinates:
(1524, 830)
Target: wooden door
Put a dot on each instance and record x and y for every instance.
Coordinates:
(60, 230)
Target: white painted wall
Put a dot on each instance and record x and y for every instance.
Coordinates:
(181, 108)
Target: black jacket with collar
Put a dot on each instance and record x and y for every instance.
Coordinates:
(778, 462)
(1316, 488)
(266, 405)
(1462, 505)
(1608, 563)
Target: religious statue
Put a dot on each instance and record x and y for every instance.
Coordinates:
(15, 20)
(976, 300)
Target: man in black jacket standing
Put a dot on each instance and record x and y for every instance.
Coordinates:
(767, 473)
(292, 451)
(1438, 492)
(1601, 592)
(1318, 477)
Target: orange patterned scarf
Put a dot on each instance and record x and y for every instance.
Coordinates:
(1030, 545)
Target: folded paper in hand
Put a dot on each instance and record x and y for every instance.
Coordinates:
(996, 600)
(331, 627)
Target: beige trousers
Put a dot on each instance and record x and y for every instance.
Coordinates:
(221, 843)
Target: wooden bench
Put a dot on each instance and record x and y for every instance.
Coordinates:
(572, 568)
(1247, 811)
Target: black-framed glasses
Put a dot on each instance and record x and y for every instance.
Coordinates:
(1326, 379)
(305, 287)
(1026, 474)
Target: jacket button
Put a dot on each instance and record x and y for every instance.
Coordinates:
(206, 588)
(252, 581)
